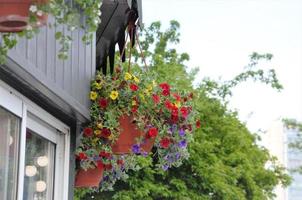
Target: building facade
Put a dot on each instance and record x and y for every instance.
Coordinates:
(276, 140)
(44, 101)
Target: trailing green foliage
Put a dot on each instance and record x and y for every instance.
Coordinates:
(225, 161)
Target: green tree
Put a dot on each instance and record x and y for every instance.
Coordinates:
(225, 161)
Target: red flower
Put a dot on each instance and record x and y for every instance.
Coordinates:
(82, 156)
(198, 124)
(185, 99)
(120, 162)
(103, 103)
(88, 132)
(134, 109)
(105, 154)
(174, 118)
(175, 111)
(133, 87)
(152, 133)
(100, 165)
(165, 89)
(106, 132)
(177, 97)
(166, 92)
(107, 166)
(191, 95)
(156, 98)
(169, 105)
(165, 143)
(184, 111)
(164, 86)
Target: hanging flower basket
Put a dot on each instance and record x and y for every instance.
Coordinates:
(128, 135)
(15, 15)
(90, 177)
(131, 115)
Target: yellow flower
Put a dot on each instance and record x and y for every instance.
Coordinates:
(128, 76)
(114, 95)
(177, 104)
(93, 95)
(95, 140)
(154, 83)
(98, 86)
(135, 79)
(134, 103)
(142, 97)
(149, 87)
(100, 125)
(147, 92)
(110, 137)
(97, 132)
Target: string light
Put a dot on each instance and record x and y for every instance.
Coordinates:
(30, 170)
(11, 140)
(40, 186)
(42, 161)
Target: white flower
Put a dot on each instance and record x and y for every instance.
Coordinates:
(29, 28)
(40, 13)
(99, 13)
(33, 8)
(39, 23)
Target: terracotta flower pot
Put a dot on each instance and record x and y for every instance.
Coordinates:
(128, 135)
(89, 178)
(14, 15)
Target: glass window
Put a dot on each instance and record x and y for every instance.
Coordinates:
(39, 168)
(9, 137)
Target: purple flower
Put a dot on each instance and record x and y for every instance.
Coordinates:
(182, 144)
(174, 127)
(177, 156)
(182, 132)
(135, 148)
(145, 154)
(165, 167)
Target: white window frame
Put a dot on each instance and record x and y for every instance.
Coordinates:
(31, 115)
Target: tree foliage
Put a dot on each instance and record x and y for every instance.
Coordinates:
(225, 161)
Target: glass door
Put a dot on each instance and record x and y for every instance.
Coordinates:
(9, 148)
(39, 167)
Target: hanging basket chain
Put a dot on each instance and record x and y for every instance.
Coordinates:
(141, 51)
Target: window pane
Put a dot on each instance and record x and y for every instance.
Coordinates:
(39, 168)
(9, 133)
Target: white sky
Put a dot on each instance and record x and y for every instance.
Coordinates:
(220, 34)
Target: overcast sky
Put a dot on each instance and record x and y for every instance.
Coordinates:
(220, 34)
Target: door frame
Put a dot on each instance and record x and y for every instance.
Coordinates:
(33, 115)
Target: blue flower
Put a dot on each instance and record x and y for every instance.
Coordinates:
(135, 148)
(182, 144)
(182, 132)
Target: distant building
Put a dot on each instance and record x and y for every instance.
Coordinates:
(276, 140)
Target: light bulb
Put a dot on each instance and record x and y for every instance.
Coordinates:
(42, 161)
(40, 186)
(11, 140)
(30, 170)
